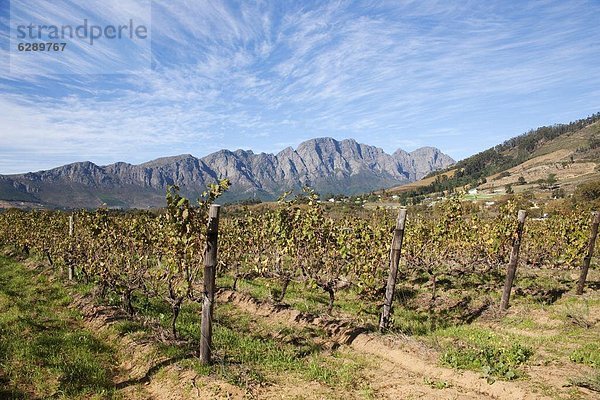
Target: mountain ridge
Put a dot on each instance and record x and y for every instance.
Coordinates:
(568, 152)
(328, 165)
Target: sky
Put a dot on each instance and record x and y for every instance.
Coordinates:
(263, 75)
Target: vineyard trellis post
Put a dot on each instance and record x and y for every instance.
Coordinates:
(394, 261)
(590, 252)
(71, 267)
(514, 259)
(210, 264)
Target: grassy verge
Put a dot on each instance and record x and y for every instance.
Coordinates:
(250, 351)
(44, 349)
(546, 324)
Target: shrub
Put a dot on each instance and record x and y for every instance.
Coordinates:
(588, 354)
(588, 191)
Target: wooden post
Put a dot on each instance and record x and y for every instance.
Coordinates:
(210, 264)
(394, 260)
(71, 267)
(514, 259)
(586, 261)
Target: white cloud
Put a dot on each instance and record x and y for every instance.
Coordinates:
(386, 73)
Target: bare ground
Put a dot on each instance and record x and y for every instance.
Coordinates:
(399, 367)
(404, 368)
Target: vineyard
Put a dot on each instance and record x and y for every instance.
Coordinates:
(296, 252)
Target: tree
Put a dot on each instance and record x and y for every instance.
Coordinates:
(589, 191)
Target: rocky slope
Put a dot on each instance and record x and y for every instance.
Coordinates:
(328, 165)
(566, 154)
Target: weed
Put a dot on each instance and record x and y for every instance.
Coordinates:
(484, 351)
(436, 383)
(578, 314)
(588, 354)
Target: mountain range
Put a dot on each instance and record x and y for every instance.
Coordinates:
(566, 155)
(326, 164)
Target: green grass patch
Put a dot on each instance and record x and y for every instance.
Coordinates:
(267, 349)
(44, 349)
(588, 354)
(248, 350)
(306, 298)
(521, 322)
(336, 370)
(130, 327)
(415, 323)
(437, 383)
(481, 350)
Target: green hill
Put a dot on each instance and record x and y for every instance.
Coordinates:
(567, 153)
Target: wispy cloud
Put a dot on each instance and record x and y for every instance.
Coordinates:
(35, 20)
(264, 74)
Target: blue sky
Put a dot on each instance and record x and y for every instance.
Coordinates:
(263, 75)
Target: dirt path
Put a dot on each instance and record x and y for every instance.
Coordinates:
(401, 368)
(405, 369)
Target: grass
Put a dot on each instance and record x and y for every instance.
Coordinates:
(130, 327)
(588, 354)
(253, 351)
(55, 355)
(407, 318)
(480, 349)
(480, 196)
(498, 349)
(413, 312)
(44, 349)
(416, 323)
(436, 383)
(249, 351)
(303, 298)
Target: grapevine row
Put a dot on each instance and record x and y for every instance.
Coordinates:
(160, 255)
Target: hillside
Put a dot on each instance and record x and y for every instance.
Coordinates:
(546, 159)
(328, 165)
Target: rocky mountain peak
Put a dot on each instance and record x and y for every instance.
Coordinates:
(329, 165)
